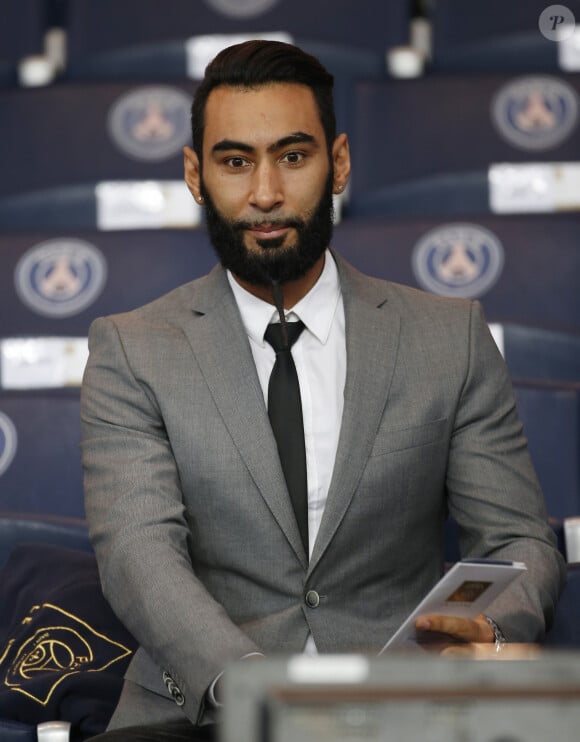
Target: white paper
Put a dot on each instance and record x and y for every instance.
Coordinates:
(465, 591)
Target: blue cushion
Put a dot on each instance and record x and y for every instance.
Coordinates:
(63, 652)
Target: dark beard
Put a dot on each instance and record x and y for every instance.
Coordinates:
(273, 262)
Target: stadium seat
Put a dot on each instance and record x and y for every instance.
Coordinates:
(21, 35)
(550, 413)
(524, 269)
(56, 284)
(89, 134)
(565, 631)
(497, 36)
(34, 528)
(426, 147)
(40, 467)
(539, 354)
(94, 43)
(179, 44)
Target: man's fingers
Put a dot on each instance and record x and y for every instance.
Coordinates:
(465, 629)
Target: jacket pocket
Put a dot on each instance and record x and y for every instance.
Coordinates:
(389, 441)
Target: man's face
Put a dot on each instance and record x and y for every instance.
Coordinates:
(267, 181)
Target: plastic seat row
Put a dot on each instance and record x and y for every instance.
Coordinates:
(447, 145)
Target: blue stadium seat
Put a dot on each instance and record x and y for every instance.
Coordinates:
(565, 631)
(550, 413)
(96, 45)
(351, 38)
(424, 147)
(40, 467)
(524, 269)
(56, 284)
(497, 36)
(21, 35)
(540, 354)
(34, 528)
(74, 136)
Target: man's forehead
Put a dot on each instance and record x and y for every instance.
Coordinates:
(277, 103)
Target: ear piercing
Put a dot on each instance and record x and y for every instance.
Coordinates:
(339, 187)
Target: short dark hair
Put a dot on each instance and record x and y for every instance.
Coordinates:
(259, 62)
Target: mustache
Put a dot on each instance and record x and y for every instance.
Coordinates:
(242, 225)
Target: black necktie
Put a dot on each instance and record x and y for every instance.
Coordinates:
(285, 412)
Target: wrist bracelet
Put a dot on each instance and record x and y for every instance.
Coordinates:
(498, 635)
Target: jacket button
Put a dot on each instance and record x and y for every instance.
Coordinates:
(178, 696)
(173, 689)
(312, 599)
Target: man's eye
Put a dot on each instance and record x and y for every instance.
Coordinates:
(293, 158)
(236, 162)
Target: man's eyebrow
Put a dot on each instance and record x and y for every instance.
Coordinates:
(297, 137)
(225, 145)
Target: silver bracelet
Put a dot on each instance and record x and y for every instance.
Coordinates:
(498, 635)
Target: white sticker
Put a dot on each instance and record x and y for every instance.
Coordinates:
(569, 52)
(41, 363)
(542, 187)
(200, 50)
(150, 204)
(347, 668)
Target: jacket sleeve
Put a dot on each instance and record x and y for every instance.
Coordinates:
(139, 530)
(494, 493)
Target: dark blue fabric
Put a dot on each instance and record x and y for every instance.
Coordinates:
(62, 650)
(45, 475)
(537, 287)
(141, 265)
(565, 631)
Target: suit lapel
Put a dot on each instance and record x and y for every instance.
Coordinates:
(372, 336)
(222, 350)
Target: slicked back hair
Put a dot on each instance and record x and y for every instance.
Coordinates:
(256, 63)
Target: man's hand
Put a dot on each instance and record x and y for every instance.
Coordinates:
(453, 635)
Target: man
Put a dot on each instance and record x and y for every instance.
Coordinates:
(407, 412)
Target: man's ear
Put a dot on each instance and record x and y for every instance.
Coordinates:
(341, 162)
(192, 173)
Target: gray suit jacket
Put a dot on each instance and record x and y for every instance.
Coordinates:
(196, 540)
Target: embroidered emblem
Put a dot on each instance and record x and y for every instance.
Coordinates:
(62, 646)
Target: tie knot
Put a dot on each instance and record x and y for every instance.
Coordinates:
(275, 336)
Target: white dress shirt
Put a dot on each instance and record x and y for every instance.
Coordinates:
(320, 358)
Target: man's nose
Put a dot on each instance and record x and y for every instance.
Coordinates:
(267, 192)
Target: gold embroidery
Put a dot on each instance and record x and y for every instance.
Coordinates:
(56, 651)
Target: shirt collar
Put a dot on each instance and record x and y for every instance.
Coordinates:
(316, 309)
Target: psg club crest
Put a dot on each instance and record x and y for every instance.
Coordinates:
(535, 113)
(242, 8)
(8, 442)
(459, 260)
(62, 645)
(151, 123)
(60, 278)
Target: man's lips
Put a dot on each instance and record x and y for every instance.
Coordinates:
(268, 232)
